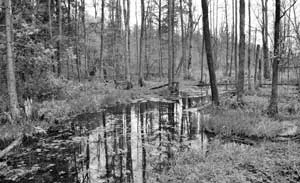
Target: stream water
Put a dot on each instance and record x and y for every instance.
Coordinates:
(121, 144)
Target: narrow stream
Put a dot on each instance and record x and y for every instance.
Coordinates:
(130, 141)
(124, 143)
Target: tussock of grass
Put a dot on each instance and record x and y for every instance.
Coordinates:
(242, 123)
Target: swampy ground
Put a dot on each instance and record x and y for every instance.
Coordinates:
(261, 149)
(245, 145)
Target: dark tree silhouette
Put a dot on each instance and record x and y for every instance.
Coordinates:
(273, 107)
(240, 84)
(209, 55)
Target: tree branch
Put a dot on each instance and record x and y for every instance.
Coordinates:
(285, 11)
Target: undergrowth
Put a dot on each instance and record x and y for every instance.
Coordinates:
(65, 99)
(223, 163)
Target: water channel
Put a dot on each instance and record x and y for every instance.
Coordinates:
(121, 144)
(129, 141)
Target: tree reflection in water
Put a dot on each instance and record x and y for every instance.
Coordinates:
(134, 140)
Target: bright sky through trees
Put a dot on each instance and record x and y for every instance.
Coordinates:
(255, 13)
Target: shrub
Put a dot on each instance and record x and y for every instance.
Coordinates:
(44, 88)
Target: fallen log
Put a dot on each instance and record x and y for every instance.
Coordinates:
(15, 143)
(160, 86)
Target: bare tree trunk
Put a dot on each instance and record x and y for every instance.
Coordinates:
(210, 61)
(77, 41)
(260, 74)
(240, 85)
(85, 38)
(189, 61)
(227, 39)
(256, 64)
(160, 41)
(129, 35)
(117, 38)
(289, 46)
(265, 39)
(100, 64)
(202, 58)
(263, 28)
(254, 55)
(232, 40)
(69, 33)
(59, 42)
(11, 79)
(146, 60)
(50, 18)
(183, 41)
(235, 45)
(50, 30)
(170, 44)
(127, 43)
(249, 45)
(216, 45)
(273, 107)
(141, 65)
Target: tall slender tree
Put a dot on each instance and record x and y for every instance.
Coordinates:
(183, 41)
(273, 107)
(100, 64)
(50, 29)
(249, 45)
(255, 57)
(265, 39)
(232, 39)
(209, 55)
(160, 39)
(141, 65)
(126, 11)
(70, 39)
(77, 40)
(190, 28)
(170, 44)
(11, 79)
(50, 18)
(59, 41)
(83, 19)
(227, 37)
(236, 44)
(216, 45)
(240, 85)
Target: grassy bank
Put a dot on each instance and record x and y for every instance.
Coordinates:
(275, 158)
(269, 162)
(66, 99)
